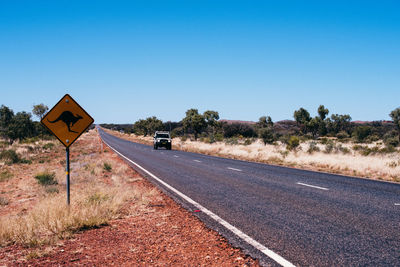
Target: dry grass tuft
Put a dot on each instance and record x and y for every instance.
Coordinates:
(99, 193)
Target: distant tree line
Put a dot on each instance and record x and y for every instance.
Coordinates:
(208, 127)
(20, 126)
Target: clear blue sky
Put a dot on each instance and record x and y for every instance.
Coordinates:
(125, 60)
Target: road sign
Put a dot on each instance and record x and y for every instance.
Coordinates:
(67, 120)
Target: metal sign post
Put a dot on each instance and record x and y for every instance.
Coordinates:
(67, 121)
(67, 170)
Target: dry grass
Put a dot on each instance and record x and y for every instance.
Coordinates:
(97, 195)
(342, 159)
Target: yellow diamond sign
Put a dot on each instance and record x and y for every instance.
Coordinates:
(67, 120)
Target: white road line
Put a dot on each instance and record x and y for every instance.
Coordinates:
(233, 169)
(397, 204)
(176, 156)
(196, 160)
(313, 186)
(269, 253)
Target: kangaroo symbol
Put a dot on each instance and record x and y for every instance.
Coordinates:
(68, 118)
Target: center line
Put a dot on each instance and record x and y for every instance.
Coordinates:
(196, 160)
(313, 186)
(176, 156)
(397, 204)
(233, 169)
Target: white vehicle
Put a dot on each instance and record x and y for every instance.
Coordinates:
(162, 139)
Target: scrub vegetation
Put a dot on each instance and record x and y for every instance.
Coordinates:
(33, 197)
(333, 144)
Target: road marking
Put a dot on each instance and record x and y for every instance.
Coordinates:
(196, 160)
(266, 251)
(313, 186)
(397, 204)
(176, 156)
(233, 169)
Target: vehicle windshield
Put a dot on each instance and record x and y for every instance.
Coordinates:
(162, 135)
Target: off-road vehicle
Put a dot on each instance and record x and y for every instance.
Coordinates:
(162, 139)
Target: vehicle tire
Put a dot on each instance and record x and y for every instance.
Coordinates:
(155, 147)
(169, 147)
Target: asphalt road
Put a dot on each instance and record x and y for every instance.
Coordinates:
(308, 218)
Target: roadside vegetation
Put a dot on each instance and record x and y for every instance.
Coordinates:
(33, 197)
(326, 143)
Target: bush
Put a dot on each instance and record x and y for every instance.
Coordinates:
(313, 147)
(107, 166)
(392, 141)
(51, 190)
(3, 201)
(10, 156)
(48, 146)
(293, 143)
(267, 136)
(342, 135)
(361, 133)
(219, 137)
(329, 147)
(5, 176)
(236, 129)
(46, 178)
(231, 141)
(391, 138)
(343, 149)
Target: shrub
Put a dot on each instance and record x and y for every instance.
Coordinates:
(361, 133)
(248, 141)
(107, 166)
(391, 138)
(293, 143)
(342, 135)
(313, 147)
(267, 136)
(46, 178)
(236, 129)
(184, 138)
(48, 146)
(5, 176)
(343, 149)
(10, 156)
(329, 147)
(51, 190)
(219, 137)
(392, 141)
(231, 141)
(3, 201)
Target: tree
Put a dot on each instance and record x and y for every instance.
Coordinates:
(211, 117)
(21, 126)
(148, 126)
(39, 110)
(153, 124)
(322, 111)
(361, 133)
(395, 114)
(6, 116)
(339, 123)
(264, 122)
(139, 127)
(302, 117)
(194, 122)
(313, 125)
